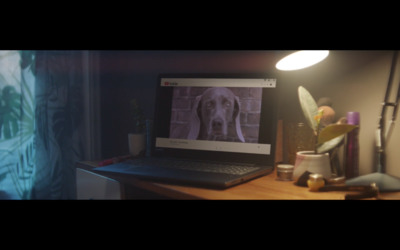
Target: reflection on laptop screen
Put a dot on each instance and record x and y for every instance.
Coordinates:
(216, 114)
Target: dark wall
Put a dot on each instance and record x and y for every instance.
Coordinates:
(133, 74)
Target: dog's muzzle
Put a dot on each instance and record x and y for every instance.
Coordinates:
(217, 126)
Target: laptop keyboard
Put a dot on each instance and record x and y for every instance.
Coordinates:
(225, 168)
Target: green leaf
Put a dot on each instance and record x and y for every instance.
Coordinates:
(329, 145)
(3, 176)
(334, 130)
(9, 112)
(308, 106)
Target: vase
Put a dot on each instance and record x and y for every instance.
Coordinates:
(137, 144)
(313, 163)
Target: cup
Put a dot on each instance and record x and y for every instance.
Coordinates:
(137, 144)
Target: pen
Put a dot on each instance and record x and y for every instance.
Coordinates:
(114, 160)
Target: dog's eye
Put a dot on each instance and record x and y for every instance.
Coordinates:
(210, 105)
(227, 104)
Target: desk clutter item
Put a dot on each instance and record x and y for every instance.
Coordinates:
(284, 172)
(302, 180)
(315, 181)
(365, 191)
(114, 160)
(137, 144)
(298, 137)
(149, 136)
(352, 146)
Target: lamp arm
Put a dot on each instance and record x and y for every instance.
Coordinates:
(396, 104)
(394, 115)
(381, 139)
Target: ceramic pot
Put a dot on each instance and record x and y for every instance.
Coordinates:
(311, 162)
(137, 144)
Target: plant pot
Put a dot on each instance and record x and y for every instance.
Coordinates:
(137, 144)
(311, 162)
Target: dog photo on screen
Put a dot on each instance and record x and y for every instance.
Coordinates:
(216, 113)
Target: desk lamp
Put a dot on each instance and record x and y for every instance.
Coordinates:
(385, 182)
(302, 59)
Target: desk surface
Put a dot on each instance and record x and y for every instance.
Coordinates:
(266, 187)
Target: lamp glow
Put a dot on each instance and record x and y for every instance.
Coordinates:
(301, 59)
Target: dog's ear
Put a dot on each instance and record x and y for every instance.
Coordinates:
(195, 119)
(236, 118)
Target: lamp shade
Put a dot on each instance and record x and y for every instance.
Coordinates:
(301, 59)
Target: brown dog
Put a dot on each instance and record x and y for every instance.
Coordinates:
(216, 116)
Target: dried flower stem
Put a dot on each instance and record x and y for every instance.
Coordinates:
(317, 118)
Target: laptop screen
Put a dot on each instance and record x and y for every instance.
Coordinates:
(212, 116)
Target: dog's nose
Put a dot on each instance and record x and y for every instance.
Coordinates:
(217, 124)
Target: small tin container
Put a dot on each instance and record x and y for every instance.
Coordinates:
(284, 172)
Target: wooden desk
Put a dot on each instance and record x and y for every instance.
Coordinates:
(266, 187)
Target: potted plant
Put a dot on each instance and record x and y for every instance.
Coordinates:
(326, 138)
(137, 138)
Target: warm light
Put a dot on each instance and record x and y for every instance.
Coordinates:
(302, 59)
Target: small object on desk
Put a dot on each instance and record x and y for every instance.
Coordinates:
(149, 136)
(315, 182)
(365, 191)
(114, 160)
(285, 172)
(302, 181)
(352, 147)
(337, 180)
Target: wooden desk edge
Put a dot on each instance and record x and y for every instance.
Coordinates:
(262, 188)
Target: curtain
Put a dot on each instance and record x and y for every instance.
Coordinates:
(41, 123)
(17, 124)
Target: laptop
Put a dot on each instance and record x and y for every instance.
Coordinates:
(210, 131)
